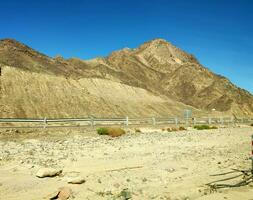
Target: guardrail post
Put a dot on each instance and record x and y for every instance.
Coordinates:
(221, 120)
(209, 120)
(127, 120)
(91, 121)
(194, 121)
(153, 121)
(45, 123)
(232, 120)
(176, 121)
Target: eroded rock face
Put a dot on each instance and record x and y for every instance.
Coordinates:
(48, 172)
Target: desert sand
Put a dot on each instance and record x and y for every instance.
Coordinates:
(153, 164)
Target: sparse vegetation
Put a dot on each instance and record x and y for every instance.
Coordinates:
(173, 129)
(204, 127)
(169, 129)
(137, 130)
(111, 131)
(181, 128)
(125, 194)
(102, 131)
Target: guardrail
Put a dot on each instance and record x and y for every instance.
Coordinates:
(126, 121)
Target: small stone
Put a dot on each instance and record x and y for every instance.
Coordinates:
(64, 193)
(53, 195)
(117, 185)
(48, 172)
(76, 180)
(144, 180)
(170, 170)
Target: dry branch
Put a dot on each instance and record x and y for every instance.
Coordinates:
(124, 168)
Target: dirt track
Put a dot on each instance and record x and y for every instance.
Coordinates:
(155, 165)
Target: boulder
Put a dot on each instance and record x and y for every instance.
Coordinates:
(48, 172)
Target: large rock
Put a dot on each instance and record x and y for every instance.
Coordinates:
(48, 172)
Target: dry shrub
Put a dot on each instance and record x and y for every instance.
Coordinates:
(111, 131)
(174, 129)
(169, 129)
(204, 127)
(116, 132)
(181, 128)
(137, 130)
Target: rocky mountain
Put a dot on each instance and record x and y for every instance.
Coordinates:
(156, 78)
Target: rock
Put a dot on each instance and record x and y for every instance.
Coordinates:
(144, 180)
(76, 180)
(63, 193)
(117, 185)
(48, 172)
(53, 195)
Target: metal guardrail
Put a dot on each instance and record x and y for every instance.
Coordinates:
(92, 121)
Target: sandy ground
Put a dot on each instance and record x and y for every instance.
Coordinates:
(151, 165)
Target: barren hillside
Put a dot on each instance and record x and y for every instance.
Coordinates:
(155, 79)
(31, 94)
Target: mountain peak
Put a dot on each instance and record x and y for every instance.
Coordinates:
(8, 40)
(11, 42)
(158, 42)
(12, 46)
(165, 52)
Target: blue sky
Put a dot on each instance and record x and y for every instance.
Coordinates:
(218, 32)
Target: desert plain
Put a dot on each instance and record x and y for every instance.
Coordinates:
(151, 164)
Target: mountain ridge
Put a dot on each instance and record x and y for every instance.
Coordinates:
(156, 66)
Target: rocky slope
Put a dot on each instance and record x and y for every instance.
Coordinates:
(29, 94)
(155, 79)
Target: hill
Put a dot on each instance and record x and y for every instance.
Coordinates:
(156, 78)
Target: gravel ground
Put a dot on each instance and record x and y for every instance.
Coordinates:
(151, 165)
